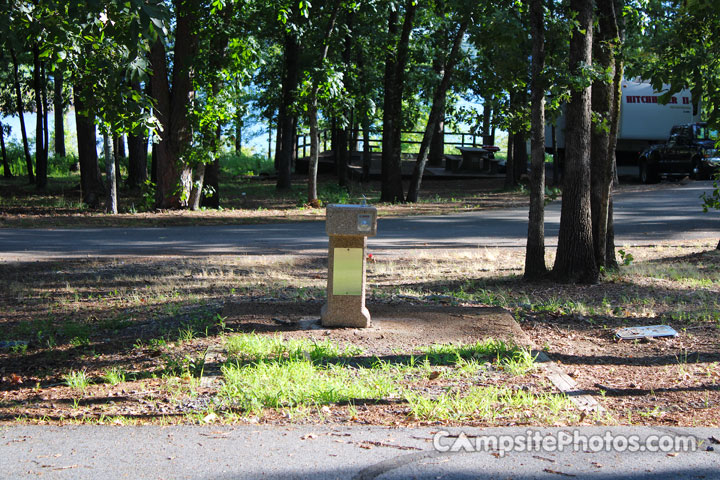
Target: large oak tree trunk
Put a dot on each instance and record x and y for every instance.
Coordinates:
(21, 116)
(575, 258)
(395, 63)
(535, 251)
(90, 180)
(174, 174)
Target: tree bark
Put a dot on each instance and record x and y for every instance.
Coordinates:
(487, 116)
(575, 258)
(436, 111)
(238, 132)
(510, 180)
(46, 130)
(286, 128)
(396, 60)
(520, 156)
(117, 156)
(535, 267)
(21, 116)
(211, 171)
(313, 111)
(90, 180)
(197, 188)
(40, 148)
(603, 105)
(7, 173)
(344, 133)
(137, 154)
(174, 175)
(111, 181)
(437, 146)
(59, 112)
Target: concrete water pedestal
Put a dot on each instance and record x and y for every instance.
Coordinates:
(348, 227)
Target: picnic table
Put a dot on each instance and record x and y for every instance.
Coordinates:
(475, 159)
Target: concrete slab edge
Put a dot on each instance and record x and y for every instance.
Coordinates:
(563, 382)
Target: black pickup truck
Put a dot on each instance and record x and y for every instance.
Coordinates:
(690, 150)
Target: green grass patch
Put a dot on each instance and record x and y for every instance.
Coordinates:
(78, 380)
(492, 403)
(253, 347)
(114, 375)
(295, 374)
(300, 382)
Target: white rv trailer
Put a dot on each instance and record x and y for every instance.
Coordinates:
(643, 122)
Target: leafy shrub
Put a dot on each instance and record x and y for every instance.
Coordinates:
(243, 164)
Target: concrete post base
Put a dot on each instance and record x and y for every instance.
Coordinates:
(345, 305)
(345, 316)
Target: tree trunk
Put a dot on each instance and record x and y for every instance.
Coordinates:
(197, 188)
(90, 181)
(111, 181)
(174, 175)
(313, 162)
(436, 111)
(610, 259)
(520, 156)
(535, 251)
(137, 161)
(117, 155)
(286, 129)
(510, 180)
(395, 66)
(59, 112)
(46, 130)
(40, 148)
(343, 155)
(238, 132)
(313, 111)
(344, 132)
(7, 173)
(121, 146)
(437, 146)
(575, 258)
(391, 187)
(137, 155)
(367, 153)
(556, 156)
(21, 115)
(487, 116)
(211, 171)
(603, 103)
(153, 164)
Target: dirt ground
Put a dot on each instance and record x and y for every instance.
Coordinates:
(135, 314)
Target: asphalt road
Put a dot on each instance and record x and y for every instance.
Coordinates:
(673, 214)
(327, 452)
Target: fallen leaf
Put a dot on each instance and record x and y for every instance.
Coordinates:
(15, 379)
(308, 436)
(210, 417)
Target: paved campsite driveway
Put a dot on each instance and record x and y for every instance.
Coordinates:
(673, 214)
